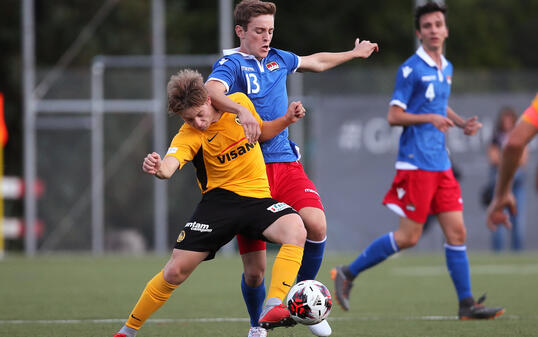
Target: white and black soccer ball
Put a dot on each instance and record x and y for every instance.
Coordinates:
(309, 302)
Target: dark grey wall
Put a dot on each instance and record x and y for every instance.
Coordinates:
(352, 150)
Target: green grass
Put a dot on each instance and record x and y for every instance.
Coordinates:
(409, 295)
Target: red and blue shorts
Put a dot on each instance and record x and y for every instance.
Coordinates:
(290, 184)
(417, 193)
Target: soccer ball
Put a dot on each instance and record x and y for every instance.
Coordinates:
(309, 302)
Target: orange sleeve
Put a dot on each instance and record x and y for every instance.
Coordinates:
(531, 114)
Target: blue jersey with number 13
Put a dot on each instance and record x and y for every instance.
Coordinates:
(264, 82)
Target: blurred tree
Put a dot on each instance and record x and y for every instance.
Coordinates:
(192, 27)
(324, 26)
(493, 33)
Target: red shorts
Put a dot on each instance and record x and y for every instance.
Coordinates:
(417, 193)
(290, 184)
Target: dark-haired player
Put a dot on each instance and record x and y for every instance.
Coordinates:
(260, 72)
(424, 182)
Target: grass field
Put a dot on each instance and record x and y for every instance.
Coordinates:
(408, 295)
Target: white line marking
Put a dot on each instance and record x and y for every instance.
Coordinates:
(233, 319)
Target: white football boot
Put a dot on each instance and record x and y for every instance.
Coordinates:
(322, 329)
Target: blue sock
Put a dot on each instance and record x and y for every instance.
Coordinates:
(312, 257)
(254, 298)
(458, 268)
(376, 252)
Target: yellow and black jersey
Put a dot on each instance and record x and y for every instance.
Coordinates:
(222, 156)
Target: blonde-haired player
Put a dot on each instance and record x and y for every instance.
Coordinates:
(236, 197)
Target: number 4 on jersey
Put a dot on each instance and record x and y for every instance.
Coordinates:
(430, 92)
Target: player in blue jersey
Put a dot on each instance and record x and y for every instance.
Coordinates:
(424, 183)
(260, 71)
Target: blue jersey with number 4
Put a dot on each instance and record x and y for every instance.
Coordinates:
(422, 88)
(264, 82)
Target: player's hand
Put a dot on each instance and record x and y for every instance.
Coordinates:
(364, 48)
(249, 124)
(471, 126)
(295, 112)
(496, 215)
(442, 123)
(152, 163)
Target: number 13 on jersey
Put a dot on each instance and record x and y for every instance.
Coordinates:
(253, 87)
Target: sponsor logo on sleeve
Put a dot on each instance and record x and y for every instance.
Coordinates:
(171, 150)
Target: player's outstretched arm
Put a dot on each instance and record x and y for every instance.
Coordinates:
(518, 139)
(511, 155)
(272, 128)
(217, 92)
(162, 169)
(323, 61)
